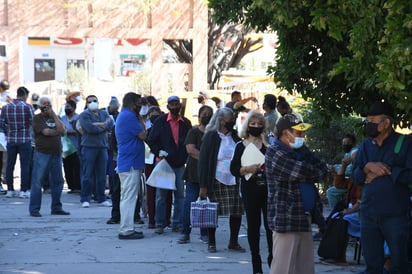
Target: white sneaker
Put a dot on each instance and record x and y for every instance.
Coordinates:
(106, 203)
(85, 204)
(27, 193)
(2, 190)
(22, 195)
(10, 194)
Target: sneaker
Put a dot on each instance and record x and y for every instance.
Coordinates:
(10, 194)
(24, 194)
(204, 239)
(159, 230)
(236, 248)
(85, 204)
(211, 248)
(112, 221)
(2, 190)
(105, 203)
(133, 236)
(184, 239)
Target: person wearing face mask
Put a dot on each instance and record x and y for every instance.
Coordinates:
(338, 191)
(215, 180)
(193, 142)
(253, 189)
(152, 114)
(47, 159)
(166, 140)
(95, 124)
(71, 163)
(291, 172)
(384, 176)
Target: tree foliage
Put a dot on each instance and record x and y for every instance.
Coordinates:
(341, 55)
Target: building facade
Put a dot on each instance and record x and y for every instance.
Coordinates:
(39, 40)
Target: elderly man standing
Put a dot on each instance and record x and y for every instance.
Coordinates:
(48, 129)
(383, 167)
(291, 171)
(130, 133)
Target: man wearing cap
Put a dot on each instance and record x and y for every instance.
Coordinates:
(291, 171)
(166, 139)
(383, 167)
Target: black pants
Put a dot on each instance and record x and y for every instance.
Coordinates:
(71, 165)
(255, 201)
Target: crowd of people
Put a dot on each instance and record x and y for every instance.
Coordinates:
(260, 167)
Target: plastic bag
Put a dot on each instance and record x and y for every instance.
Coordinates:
(67, 146)
(162, 176)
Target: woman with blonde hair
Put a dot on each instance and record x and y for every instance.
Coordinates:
(253, 185)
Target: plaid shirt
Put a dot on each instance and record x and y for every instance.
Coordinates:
(16, 120)
(283, 175)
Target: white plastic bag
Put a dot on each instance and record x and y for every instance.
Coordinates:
(162, 176)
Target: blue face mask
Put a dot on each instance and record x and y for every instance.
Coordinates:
(299, 141)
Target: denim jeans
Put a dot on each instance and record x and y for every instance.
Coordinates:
(395, 231)
(192, 193)
(178, 201)
(94, 162)
(43, 166)
(24, 151)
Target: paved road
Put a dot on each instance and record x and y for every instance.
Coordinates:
(84, 243)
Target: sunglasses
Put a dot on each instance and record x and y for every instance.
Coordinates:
(91, 101)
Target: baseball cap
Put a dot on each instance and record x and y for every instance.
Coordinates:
(291, 121)
(379, 108)
(173, 98)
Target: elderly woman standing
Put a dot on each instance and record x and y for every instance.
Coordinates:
(215, 179)
(254, 189)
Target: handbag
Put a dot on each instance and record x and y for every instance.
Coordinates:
(203, 213)
(162, 176)
(333, 243)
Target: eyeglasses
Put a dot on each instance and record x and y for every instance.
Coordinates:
(91, 101)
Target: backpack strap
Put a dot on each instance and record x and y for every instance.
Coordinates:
(399, 144)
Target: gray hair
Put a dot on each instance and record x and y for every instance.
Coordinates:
(218, 116)
(44, 97)
(253, 114)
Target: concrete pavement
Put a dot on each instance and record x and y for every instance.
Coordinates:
(83, 243)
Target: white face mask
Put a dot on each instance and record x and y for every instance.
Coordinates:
(93, 106)
(299, 141)
(78, 98)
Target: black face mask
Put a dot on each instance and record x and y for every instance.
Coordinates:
(255, 131)
(346, 148)
(68, 111)
(205, 120)
(153, 118)
(371, 129)
(229, 125)
(174, 111)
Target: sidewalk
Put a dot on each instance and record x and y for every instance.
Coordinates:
(83, 243)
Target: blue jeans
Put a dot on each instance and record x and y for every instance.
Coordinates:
(25, 151)
(395, 231)
(43, 166)
(94, 162)
(192, 193)
(178, 202)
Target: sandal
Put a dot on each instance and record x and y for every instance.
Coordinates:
(211, 248)
(236, 248)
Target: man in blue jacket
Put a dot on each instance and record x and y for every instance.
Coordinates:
(384, 175)
(166, 139)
